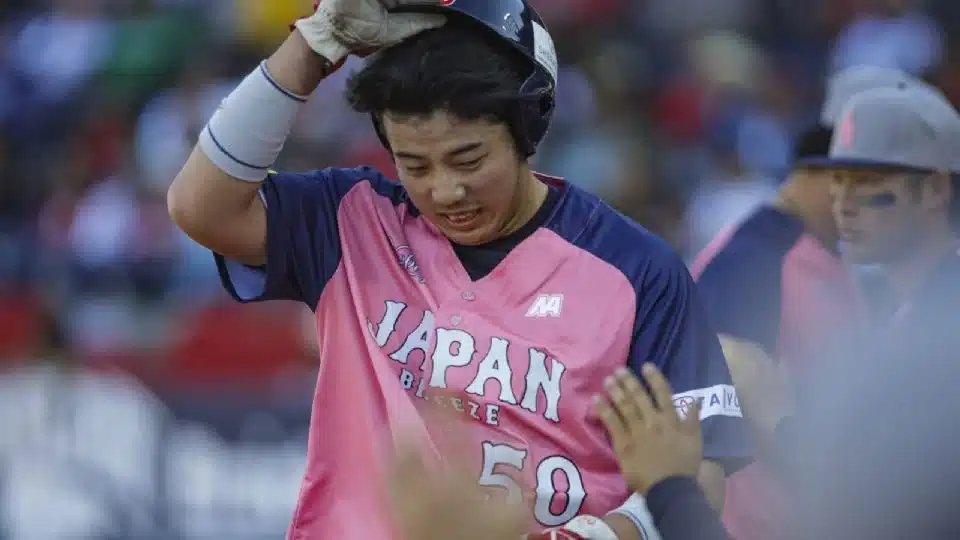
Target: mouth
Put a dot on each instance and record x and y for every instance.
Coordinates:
(461, 221)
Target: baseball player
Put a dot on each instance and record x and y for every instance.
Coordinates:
(894, 161)
(882, 462)
(471, 283)
(776, 287)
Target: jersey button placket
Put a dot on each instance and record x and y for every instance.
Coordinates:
(468, 296)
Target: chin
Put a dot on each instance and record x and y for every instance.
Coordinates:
(859, 255)
(470, 238)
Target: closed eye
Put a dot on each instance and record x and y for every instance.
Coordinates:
(470, 165)
(415, 171)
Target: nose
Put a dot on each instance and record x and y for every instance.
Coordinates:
(447, 191)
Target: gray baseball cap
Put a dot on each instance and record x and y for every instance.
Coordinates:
(900, 126)
(845, 84)
(813, 144)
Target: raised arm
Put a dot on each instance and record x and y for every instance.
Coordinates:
(224, 212)
(215, 198)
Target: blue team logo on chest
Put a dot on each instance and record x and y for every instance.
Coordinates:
(409, 263)
(474, 374)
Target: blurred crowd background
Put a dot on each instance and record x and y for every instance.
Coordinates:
(139, 402)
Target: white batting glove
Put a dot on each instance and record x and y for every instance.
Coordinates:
(341, 27)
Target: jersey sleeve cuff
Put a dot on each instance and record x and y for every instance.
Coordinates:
(727, 441)
(243, 283)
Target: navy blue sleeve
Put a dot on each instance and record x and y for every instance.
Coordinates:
(741, 291)
(680, 511)
(670, 328)
(303, 240)
(673, 332)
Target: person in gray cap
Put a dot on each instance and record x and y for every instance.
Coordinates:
(876, 452)
(893, 161)
(854, 80)
(761, 285)
(872, 456)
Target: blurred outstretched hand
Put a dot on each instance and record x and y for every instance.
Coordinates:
(652, 440)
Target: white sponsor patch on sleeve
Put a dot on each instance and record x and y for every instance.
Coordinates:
(718, 400)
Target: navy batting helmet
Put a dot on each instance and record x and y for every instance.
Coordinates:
(518, 24)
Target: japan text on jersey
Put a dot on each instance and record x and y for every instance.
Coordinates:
(521, 351)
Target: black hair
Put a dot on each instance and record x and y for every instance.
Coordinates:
(460, 68)
(813, 143)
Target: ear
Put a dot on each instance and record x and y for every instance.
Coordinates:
(937, 192)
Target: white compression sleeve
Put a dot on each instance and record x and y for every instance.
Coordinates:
(246, 134)
(635, 509)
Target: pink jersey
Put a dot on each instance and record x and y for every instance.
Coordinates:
(770, 282)
(520, 351)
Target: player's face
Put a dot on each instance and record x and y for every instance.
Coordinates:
(464, 176)
(816, 190)
(878, 213)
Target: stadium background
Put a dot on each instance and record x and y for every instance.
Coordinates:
(137, 402)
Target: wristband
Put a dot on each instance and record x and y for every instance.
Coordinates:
(246, 134)
(635, 509)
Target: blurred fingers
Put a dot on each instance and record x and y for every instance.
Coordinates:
(691, 420)
(408, 487)
(659, 387)
(610, 419)
(631, 400)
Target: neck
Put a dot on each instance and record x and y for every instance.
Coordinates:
(906, 274)
(531, 193)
